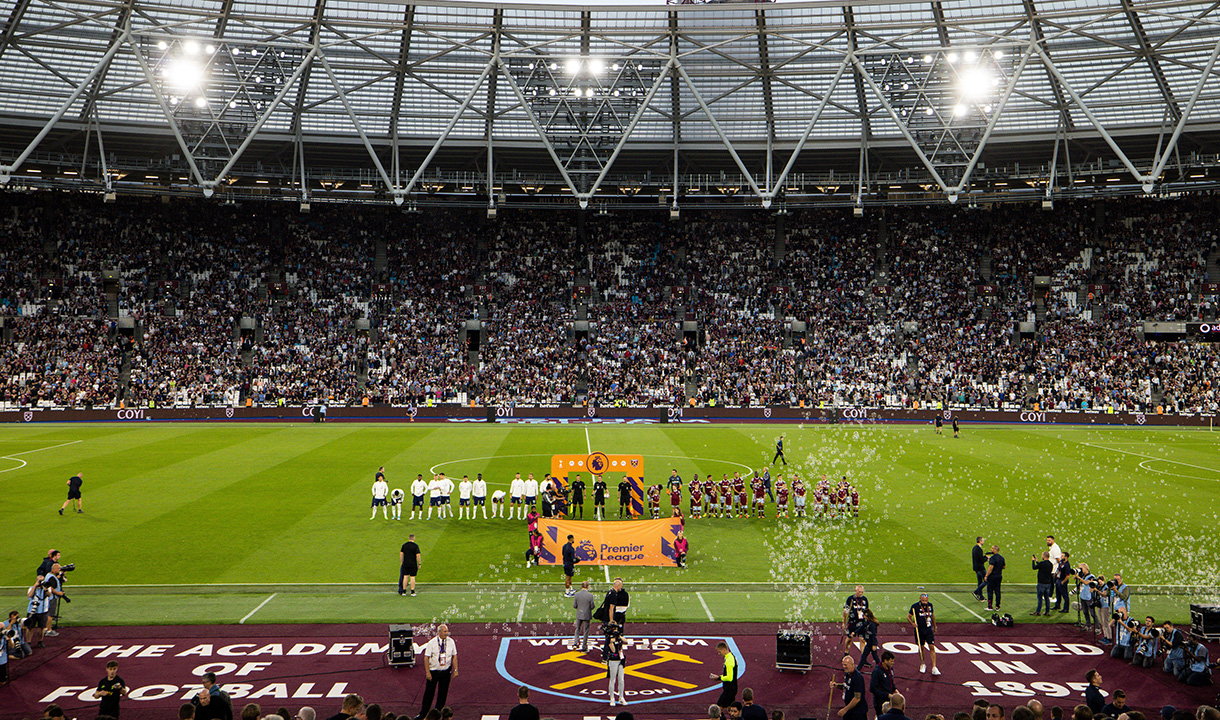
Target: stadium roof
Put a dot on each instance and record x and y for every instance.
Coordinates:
(400, 98)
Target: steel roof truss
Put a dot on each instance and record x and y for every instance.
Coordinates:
(728, 144)
(863, 75)
(7, 170)
(453, 121)
(1050, 65)
(1181, 123)
(813, 121)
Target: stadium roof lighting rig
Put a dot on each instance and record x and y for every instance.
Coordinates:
(945, 100)
(585, 105)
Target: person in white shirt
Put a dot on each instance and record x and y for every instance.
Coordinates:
(396, 498)
(446, 509)
(464, 489)
(497, 503)
(517, 490)
(1052, 547)
(480, 495)
(531, 493)
(380, 490)
(440, 666)
(434, 496)
(419, 489)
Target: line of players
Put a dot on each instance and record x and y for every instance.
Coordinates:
(472, 494)
(724, 498)
(729, 497)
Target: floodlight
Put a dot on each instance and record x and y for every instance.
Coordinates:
(976, 82)
(597, 66)
(182, 74)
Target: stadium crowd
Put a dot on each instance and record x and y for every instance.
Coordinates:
(198, 303)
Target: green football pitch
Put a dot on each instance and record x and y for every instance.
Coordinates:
(261, 523)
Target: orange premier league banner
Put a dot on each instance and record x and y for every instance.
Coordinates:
(640, 542)
(565, 468)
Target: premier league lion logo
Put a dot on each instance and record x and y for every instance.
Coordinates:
(598, 463)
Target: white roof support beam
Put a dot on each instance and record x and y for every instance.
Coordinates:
(813, 121)
(995, 116)
(862, 73)
(635, 119)
(453, 121)
(351, 114)
(728, 144)
(6, 171)
(1122, 156)
(506, 72)
(1172, 145)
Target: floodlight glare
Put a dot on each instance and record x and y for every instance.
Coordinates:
(182, 74)
(209, 49)
(976, 82)
(959, 110)
(927, 59)
(589, 92)
(597, 66)
(572, 66)
(191, 47)
(201, 102)
(951, 57)
(999, 54)
(970, 56)
(162, 45)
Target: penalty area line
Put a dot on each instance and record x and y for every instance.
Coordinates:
(705, 608)
(13, 456)
(521, 608)
(980, 617)
(260, 607)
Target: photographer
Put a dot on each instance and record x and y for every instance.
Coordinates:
(40, 594)
(1124, 635)
(1146, 645)
(1197, 671)
(1086, 588)
(1174, 644)
(612, 655)
(13, 638)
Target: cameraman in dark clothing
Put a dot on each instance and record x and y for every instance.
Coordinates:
(1046, 580)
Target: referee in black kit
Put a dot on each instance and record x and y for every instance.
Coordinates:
(779, 451)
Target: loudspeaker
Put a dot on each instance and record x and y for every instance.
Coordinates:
(1205, 621)
(794, 650)
(401, 652)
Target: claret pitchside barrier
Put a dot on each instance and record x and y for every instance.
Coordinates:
(460, 413)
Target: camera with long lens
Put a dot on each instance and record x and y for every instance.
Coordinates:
(12, 632)
(68, 568)
(612, 630)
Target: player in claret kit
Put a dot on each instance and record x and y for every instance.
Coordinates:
(654, 501)
(675, 494)
(841, 496)
(726, 496)
(696, 497)
(855, 502)
(781, 497)
(799, 491)
(712, 490)
(760, 497)
(739, 489)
